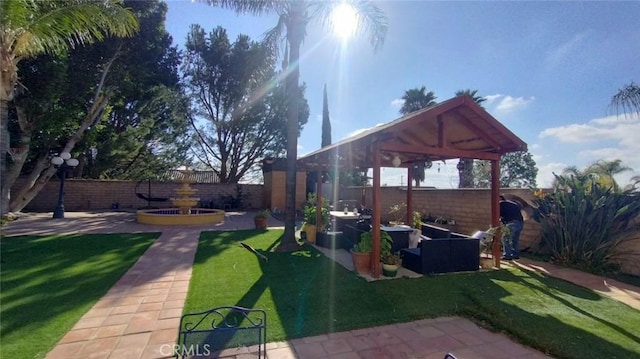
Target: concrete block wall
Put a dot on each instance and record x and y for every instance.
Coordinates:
(470, 208)
(86, 195)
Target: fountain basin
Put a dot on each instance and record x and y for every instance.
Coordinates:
(174, 216)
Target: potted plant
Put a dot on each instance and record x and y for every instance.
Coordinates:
(361, 251)
(390, 264)
(397, 213)
(260, 219)
(310, 225)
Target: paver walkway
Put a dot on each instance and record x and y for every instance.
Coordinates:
(139, 316)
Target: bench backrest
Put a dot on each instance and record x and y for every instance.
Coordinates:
(432, 231)
(208, 332)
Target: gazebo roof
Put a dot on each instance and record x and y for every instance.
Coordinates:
(455, 128)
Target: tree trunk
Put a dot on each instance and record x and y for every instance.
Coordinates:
(466, 173)
(295, 31)
(40, 176)
(4, 147)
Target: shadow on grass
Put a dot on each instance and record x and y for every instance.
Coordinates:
(304, 294)
(48, 282)
(553, 316)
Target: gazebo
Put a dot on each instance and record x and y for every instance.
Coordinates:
(455, 128)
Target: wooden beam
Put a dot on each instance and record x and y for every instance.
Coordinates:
(440, 152)
(495, 210)
(375, 221)
(477, 130)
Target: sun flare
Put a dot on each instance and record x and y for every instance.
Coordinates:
(344, 20)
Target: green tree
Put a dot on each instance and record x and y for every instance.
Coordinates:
(230, 84)
(465, 165)
(140, 130)
(326, 121)
(294, 15)
(517, 170)
(600, 172)
(627, 99)
(416, 99)
(31, 28)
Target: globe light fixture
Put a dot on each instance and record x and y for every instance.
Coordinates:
(62, 162)
(396, 161)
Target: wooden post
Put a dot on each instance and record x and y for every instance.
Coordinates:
(495, 211)
(409, 196)
(375, 225)
(318, 202)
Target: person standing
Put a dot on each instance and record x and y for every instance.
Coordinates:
(511, 217)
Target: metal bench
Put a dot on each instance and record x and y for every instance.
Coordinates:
(206, 333)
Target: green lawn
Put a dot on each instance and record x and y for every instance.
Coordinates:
(49, 282)
(305, 293)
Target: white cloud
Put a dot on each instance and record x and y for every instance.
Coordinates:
(508, 103)
(397, 103)
(545, 173)
(600, 135)
(621, 129)
(489, 99)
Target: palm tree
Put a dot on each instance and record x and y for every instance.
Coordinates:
(29, 28)
(465, 165)
(605, 170)
(294, 15)
(627, 99)
(601, 172)
(416, 99)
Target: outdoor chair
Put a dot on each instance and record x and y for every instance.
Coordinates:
(209, 332)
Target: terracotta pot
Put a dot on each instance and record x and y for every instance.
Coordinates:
(261, 223)
(310, 230)
(361, 262)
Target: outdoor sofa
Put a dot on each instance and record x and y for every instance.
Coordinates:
(442, 251)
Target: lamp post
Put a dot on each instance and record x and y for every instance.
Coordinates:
(61, 162)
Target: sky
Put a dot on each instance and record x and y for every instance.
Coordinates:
(547, 69)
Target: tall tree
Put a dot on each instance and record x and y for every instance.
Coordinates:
(416, 99)
(517, 170)
(31, 28)
(141, 128)
(326, 121)
(627, 99)
(232, 91)
(600, 172)
(294, 15)
(465, 165)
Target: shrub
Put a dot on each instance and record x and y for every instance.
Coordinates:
(583, 222)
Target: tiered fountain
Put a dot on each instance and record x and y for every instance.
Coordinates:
(183, 211)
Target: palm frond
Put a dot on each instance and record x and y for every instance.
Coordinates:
(627, 99)
(54, 26)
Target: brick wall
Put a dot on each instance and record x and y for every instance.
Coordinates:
(83, 195)
(470, 208)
